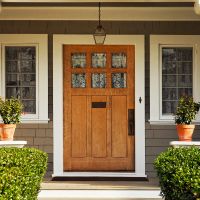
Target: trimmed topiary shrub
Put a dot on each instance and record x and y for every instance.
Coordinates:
(178, 170)
(21, 172)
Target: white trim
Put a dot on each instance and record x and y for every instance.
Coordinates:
(108, 13)
(177, 144)
(156, 41)
(99, 174)
(138, 41)
(16, 143)
(41, 44)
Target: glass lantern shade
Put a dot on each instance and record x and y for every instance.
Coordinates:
(99, 35)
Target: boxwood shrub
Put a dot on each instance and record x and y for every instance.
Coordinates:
(21, 172)
(178, 170)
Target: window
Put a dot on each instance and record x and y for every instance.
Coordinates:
(20, 69)
(177, 67)
(24, 74)
(174, 73)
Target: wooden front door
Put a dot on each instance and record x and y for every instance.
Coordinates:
(99, 107)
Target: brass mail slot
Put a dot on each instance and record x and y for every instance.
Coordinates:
(98, 104)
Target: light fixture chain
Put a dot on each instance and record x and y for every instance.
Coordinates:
(99, 34)
(99, 13)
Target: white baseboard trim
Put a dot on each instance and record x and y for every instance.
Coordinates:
(99, 174)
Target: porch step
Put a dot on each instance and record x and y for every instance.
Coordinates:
(99, 195)
(97, 190)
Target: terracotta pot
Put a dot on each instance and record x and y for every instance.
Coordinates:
(185, 131)
(7, 131)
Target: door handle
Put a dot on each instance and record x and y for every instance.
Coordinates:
(131, 121)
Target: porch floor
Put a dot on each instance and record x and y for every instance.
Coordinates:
(99, 185)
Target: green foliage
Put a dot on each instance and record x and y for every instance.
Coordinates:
(11, 110)
(21, 172)
(186, 110)
(178, 170)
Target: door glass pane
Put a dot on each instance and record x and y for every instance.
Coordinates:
(78, 60)
(20, 64)
(118, 60)
(98, 60)
(177, 78)
(119, 80)
(78, 80)
(98, 80)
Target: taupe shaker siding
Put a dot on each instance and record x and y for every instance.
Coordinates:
(41, 136)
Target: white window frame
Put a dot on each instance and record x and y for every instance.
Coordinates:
(156, 44)
(138, 42)
(40, 42)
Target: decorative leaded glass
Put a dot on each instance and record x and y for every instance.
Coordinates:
(78, 81)
(20, 66)
(98, 80)
(78, 60)
(98, 60)
(119, 80)
(118, 60)
(177, 64)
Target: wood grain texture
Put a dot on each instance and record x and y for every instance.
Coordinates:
(99, 128)
(96, 138)
(119, 126)
(79, 126)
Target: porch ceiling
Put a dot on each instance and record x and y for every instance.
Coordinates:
(118, 10)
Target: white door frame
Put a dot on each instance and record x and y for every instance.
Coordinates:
(58, 42)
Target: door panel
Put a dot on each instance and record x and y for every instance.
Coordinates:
(79, 126)
(98, 92)
(99, 126)
(119, 126)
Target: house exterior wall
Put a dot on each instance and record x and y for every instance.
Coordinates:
(157, 136)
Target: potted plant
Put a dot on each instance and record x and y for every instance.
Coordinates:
(185, 113)
(10, 111)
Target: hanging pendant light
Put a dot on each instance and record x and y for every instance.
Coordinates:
(99, 34)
